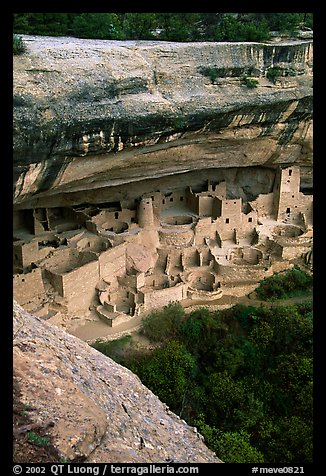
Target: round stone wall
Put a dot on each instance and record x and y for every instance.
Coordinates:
(202, 280)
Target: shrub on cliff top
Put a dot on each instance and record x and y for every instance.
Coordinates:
(249, 82)
(273, 73)
(19, 46)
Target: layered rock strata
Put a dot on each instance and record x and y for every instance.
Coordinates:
(93, 115)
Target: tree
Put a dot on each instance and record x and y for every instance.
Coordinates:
(163, 324)
(19, 46)
(286, 440)
(139, 26)
(21, 22)
(235, 447)
(97, 25)
(243, 374)
(231, 447)
(47, 23)
(168, 372)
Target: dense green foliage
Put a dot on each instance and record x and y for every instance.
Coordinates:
(273, 73)
(243, 376)
(163, 26)
(251, 83)
(19, 46)
(36, 439)
(113, 348)
(286, 284)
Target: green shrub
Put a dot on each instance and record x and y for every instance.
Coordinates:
(19, 46)
(231, 447)
(36, 439)
(165, 324)
(249, 82)
(242, 376)
(290, 283)
(112, 348)
(211, 73)
(273, 73)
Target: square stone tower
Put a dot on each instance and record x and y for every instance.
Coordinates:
(287, 192)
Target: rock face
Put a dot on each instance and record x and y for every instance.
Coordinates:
(92, 117)
(100, 410)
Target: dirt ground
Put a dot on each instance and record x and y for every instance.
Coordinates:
(92, 330)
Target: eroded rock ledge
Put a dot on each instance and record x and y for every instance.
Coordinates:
(100, 115)
(100, 410)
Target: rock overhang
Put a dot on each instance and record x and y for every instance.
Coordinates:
(94, 113)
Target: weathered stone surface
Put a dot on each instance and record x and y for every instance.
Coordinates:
(139, 257)
(101, 411)
(96, 116)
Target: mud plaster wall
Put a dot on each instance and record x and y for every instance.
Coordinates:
(204, 229)
(264, 204)
(29, 253)
(55, 279)
(112, 263)
(287, 183)
(291, 252)
(231, 209)
(145, 212)
(173, 199)
(110, 218)
(136, 281)
(191, 258)
(61, 259)
(79, 286)
(229, 273)
(173, 262)
(296, 203)
(18, 256)
(28, 286)
(161, 297)
(205, 207)
(192, 200)
(226, 230)
(184, 238)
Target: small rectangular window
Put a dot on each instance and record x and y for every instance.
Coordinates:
(116, 215)
(288, 210)
(227, 220)
(181, 199)
(250, 219)
(290, 172)
(171, 199)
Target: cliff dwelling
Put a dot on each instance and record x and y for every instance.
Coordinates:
(139, 180)
(115, 260)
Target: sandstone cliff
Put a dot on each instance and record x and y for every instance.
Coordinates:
(92, 116)
(100, 411)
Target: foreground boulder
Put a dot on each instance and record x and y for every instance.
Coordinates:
(95, 410)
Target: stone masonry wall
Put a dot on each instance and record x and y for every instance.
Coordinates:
(28, 286)
(161, 297)
(113, 261)
(79, 286)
